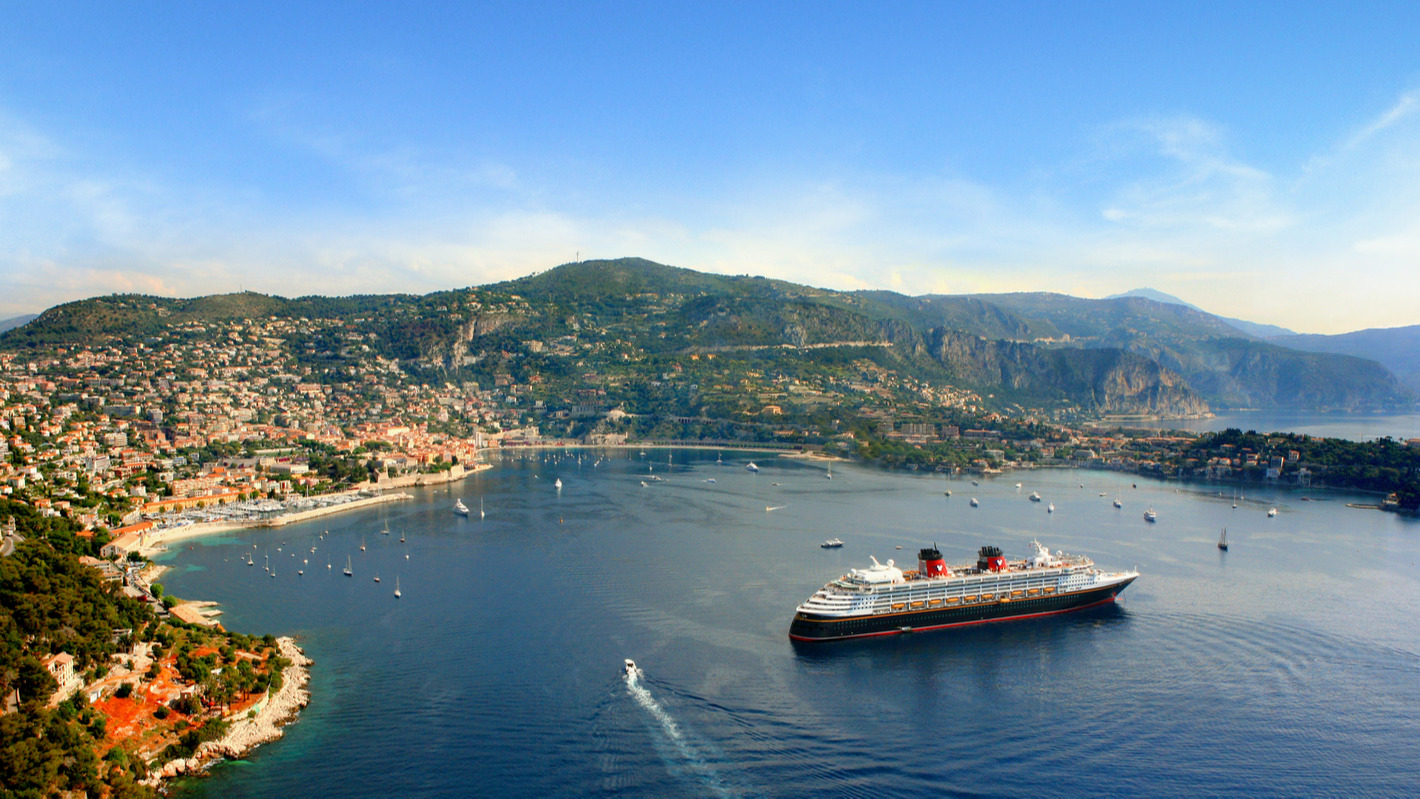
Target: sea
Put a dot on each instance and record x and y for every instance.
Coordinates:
(1286, 666)
(1349, 426)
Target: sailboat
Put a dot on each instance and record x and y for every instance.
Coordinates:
(1050, 508)
(362, 543)
(1117, 503)
(377, 577)
(829, 475)
(480, 507)
(397, 594)
(348, 571)
(1223, 540)
(401, 536)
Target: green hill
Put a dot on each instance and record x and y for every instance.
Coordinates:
(1062, 350)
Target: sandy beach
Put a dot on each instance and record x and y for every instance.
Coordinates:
(157, 542)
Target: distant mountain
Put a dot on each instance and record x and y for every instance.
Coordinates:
(1227, 368)
(1396, 348)
(16, 321)
(1255, 329)
(1123, 355)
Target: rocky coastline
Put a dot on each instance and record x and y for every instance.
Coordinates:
(248, 732)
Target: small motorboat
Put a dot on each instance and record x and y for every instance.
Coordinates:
(630, 668)
(1271, 512)
(558, 485)
(1150, 516)
(832, 543)
(974, 503)
(1050, 508)
(1035, 496)
(751, 466)
(460, 508)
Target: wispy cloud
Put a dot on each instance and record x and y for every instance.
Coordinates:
(1165, 201)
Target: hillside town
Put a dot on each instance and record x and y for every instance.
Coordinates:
(226, 420)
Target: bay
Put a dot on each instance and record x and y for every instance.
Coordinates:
(1289, 665)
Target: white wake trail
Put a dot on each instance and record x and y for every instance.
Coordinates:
(688, 755)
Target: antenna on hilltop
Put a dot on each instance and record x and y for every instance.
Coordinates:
(579, 256)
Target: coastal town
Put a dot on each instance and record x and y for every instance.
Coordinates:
(221, 422)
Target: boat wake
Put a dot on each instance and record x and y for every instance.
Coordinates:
(687, 755)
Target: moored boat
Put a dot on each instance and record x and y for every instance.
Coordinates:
(883, 599)
(460, 508)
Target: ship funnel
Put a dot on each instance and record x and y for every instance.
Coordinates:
(930, 563)
(990, 559)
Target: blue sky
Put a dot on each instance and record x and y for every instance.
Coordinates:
(1259, 160)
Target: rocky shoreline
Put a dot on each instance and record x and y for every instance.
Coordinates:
(244, 733)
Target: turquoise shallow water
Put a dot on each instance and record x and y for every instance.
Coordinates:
(1287, 666)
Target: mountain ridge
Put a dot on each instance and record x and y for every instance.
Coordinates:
(1181, 361)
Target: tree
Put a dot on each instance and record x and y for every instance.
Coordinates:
(33, 680)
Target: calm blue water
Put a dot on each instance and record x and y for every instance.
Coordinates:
(1287, 666)
(1350, 426)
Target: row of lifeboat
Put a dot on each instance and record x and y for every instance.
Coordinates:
(971, 599)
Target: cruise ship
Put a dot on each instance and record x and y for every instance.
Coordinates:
(883, 599)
